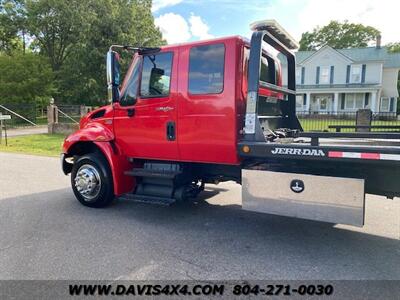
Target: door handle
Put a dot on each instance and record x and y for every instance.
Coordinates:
(164, 108)
(130, 112)
(171, 131)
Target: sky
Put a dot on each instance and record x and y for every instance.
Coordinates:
(190, 20)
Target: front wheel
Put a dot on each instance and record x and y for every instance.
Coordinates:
(91, 181)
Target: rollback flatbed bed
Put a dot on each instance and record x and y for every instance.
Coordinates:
(314, 175)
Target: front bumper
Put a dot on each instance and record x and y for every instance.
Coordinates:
(66, 166)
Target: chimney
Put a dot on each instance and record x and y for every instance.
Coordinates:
(378, 41)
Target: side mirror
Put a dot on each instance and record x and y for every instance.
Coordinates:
(113, 76)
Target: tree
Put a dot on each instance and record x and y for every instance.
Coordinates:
(393, 47)
(55, 25)
(26, 78)
(338, 35)
(12, 26)
(125, 22)
(74, 36)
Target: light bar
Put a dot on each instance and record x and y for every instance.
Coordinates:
(276, 30)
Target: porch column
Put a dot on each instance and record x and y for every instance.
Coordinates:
(335, 102)
(308, 102)
(374, 102)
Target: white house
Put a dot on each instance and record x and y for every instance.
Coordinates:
(345, 80)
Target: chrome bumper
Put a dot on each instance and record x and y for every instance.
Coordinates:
(65, 166)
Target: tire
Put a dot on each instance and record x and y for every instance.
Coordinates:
(91, 180)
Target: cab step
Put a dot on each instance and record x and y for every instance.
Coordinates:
(148, 199)
(142, 172)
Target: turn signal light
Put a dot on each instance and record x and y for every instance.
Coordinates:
(246, 149)
(100, 138)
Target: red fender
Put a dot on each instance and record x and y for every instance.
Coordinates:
(103, 138)
(92, 132)
(118, 164)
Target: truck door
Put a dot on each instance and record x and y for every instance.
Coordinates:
(207, 118)
(145, 116)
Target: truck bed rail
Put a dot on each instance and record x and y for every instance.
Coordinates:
(333, 152)
(315, 136)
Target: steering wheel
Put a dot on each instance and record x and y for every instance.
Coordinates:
(153, 89)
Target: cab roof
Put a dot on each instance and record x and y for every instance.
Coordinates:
(208, 41)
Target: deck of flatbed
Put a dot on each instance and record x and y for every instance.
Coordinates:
(323, 146)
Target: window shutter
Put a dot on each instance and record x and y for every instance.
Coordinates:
(342, 101)
(303, 73)
(317, 76)
(332, 74)
(391, 107)
(364, 68)
(348, 74)
(366, 102)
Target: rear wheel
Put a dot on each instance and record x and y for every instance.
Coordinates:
(91, 180)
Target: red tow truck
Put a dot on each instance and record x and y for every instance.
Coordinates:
(212, 111)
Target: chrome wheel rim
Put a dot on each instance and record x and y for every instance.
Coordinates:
(88, 182)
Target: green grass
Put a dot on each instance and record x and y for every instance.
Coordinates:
(38, 144)
(322, 124)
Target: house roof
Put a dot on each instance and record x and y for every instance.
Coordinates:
(391, 60)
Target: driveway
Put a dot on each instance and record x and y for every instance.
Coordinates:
(46, 234)
(26, 130)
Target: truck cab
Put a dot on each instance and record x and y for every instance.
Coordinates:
(186, 102)
(180, 107)
(181, 102)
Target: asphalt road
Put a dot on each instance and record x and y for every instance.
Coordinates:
(46, 234)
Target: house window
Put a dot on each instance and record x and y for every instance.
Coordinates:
(298, 75)
(324, 76)
(323, 104)
(354, 101)
(342, 101)
(385, 104)
(206, 69)
(156, 75)
(366, 101)
(356, 73)
(392, 99)
(299, 102)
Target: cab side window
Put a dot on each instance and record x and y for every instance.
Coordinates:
(206, 69)
(267, 72)
(156, 75)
